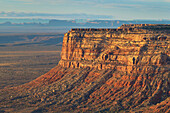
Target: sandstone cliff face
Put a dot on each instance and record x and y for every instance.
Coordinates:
(118, 70)
(114, 48)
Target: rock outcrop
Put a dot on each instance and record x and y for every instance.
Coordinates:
(117, 70)
(122, 48)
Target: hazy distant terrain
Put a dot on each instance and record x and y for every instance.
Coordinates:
(25, 56)
(53, 26)
(32, 29)
(17, 39)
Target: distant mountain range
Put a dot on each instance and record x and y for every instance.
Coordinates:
(80, 22)
(15, 25)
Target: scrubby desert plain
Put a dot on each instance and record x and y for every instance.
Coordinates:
(25, 56)
(101, 70)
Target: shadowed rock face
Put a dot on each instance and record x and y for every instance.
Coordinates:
(117, 70)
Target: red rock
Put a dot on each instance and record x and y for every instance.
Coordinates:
(104, 69)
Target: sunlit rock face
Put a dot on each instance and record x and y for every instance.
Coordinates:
(123, 48)
(103, 70)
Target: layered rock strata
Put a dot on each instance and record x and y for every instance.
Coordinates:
(122, 49)
(102, 70)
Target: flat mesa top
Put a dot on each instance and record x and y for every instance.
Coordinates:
(128, 27)
(99, 29)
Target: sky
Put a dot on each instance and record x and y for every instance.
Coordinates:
(106, 9)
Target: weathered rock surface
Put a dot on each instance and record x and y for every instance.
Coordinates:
(118, 70)
(121, 48)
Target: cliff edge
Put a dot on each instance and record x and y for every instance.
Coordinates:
(102, 70)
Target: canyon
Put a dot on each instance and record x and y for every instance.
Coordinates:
(102, 70)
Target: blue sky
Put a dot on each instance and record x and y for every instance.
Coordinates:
(117, 9)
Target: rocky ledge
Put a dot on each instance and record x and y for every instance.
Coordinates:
(102, 70)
